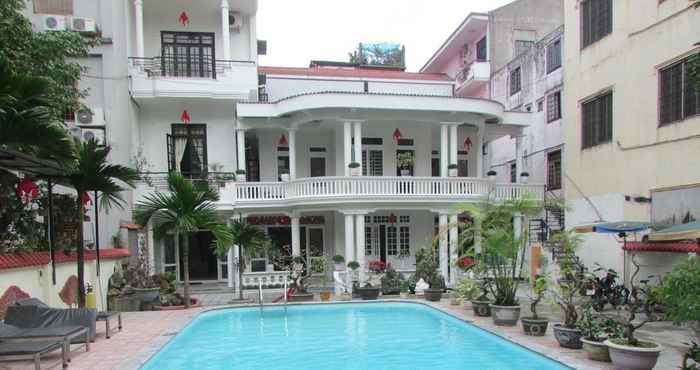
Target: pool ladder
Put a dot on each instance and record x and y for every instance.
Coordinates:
(260, 294)
(285, 292)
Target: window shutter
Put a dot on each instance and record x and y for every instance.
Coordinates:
(171, 152)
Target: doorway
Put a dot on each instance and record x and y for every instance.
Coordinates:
(203, 264)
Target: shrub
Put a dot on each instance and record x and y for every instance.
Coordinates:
(680, 292)
(338, 259)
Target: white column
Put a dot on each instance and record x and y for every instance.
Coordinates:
(292, 140)
(360, 243)
(347, 146)
(296, 243)
(229, 262)
(453, 144)
(234, 256)
(349, 245)
(442, 252)
(253, 31)
(443, 150)
(357, 126)
(518, 157)
(240, 145)
(225, 31)
(479, 147)
(138, 8)
(454, 246)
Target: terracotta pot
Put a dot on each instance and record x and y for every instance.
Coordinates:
(301, 297)
(481, 308)
(596, 351)
(325, 296)
(567, 338)
(433, 295)
(534, 327)
(505, 315)
(633, 358)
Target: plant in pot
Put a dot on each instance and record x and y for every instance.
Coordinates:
(320, 266)
(468, 289)
(594, 331)
(353, 277)
(535, 325)
(391, 282)
(404, 161)
(567, 290)
(427, 269)
(680, 293)
(452, 170)
(404, 289)
(300, 276)
(628, 352)
(240, 176)
(355, 169)
(339, 261)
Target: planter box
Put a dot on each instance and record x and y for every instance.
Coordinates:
(368, 294)
(301, 297)
(505, 315)
(481, 308)
(567, 338)
(535, 328)
(633, 358)
(596, 351)
(433, 295)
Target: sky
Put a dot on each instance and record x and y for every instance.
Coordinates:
(298, 31)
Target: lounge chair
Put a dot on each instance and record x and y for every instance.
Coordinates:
(38, 316)
(15, 351)
(63, 334)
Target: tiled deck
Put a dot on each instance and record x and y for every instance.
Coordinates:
(145, 332)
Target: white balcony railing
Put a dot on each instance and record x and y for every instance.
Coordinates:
(476, 71)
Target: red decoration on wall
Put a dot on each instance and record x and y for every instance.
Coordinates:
(27, 191)
(11, 295)
(185, 117)
(284, 220)
(397, 135)
(283, 141)
(392, 218)
(468, 144)
(184, 19)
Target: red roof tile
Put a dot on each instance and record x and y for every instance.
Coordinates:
(17, 260)
(353, 72)
(682, 247)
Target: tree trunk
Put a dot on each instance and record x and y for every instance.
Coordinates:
(81, 253)
(186, 267)
(240, 272)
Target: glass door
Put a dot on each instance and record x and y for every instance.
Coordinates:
(171, 255)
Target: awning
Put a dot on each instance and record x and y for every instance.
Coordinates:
(689, 231)
(682, 247)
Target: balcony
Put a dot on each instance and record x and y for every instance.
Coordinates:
(201, 77)
(338, 191)
(473, 77)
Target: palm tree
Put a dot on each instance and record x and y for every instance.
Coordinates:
(250, 240)
(91, 171)
(183, 210)
(25, 117)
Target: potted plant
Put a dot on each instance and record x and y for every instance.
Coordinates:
(368, 292)
(319, 266)
(339, 261)
(240, 175)
(568, 288)
(391, 282)
(468, 289)
(353, 277)
(536, 325)
(452, 170)
(355, 169)
(628, 352)
(404, 161)
(299, 275)
(404, 289)
(594, 331)
(427, 269)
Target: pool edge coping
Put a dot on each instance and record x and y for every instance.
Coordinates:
(162, 340)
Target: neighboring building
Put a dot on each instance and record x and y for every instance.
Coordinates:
(632, 125)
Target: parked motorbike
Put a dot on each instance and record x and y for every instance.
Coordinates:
(606, 290)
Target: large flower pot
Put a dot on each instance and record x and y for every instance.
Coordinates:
(596, 351)
(505, 315)
(634, 358)
(481, 308)
(301, 297)
(567, 338)
(325, 296)
(534, 327)
(368, 294)
(433, 295)
(147, 294)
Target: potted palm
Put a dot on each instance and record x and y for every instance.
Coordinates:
(536, 325)
(568, 287)
(404, 161)
(595, 330)
(339, 261)
(452, 170)
(355, 169)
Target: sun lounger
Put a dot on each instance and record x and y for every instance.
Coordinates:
(33, 316)
(64, 334)
(15, 351)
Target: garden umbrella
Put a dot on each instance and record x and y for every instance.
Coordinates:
(689, 231)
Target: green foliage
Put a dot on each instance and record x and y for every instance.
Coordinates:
(353, 265)
(691, 359)
(468, 289)
(598, 327)
(405, 286)
(427, 268)
(571, 278)
(680, 292)
(338, 258)
(391, 281)
(46, 54)
(405, 159)
(539, 289)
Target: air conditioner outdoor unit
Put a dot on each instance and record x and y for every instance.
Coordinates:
(53, 23)
(235, 21)
(94, 116)
(81, 24)
(97, 134)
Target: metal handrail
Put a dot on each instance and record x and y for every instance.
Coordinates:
(285, 292)
(178, 66)
(260, 294)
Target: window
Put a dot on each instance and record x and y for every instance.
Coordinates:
(404, 219)
(368, 241)
(596, 20)
(282, 166)
(188, 54)
(678, 98)
(404, 240)
(375, 165)
(554, 106)
(553, 56)
(187, 149)
(554, 170)
(513, 173)
(481, 52)
(515, 83)
(391, 241)
(597, 120)
(62, 7)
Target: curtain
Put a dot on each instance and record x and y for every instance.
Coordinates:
(180, 145)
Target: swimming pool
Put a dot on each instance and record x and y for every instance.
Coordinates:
(390, 335)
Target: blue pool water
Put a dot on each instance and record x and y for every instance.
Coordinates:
(340, 336)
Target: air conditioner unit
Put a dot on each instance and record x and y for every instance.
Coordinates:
(81, 24)
(97, 134)
(53, 23)
(235, 21)
(93, 116)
